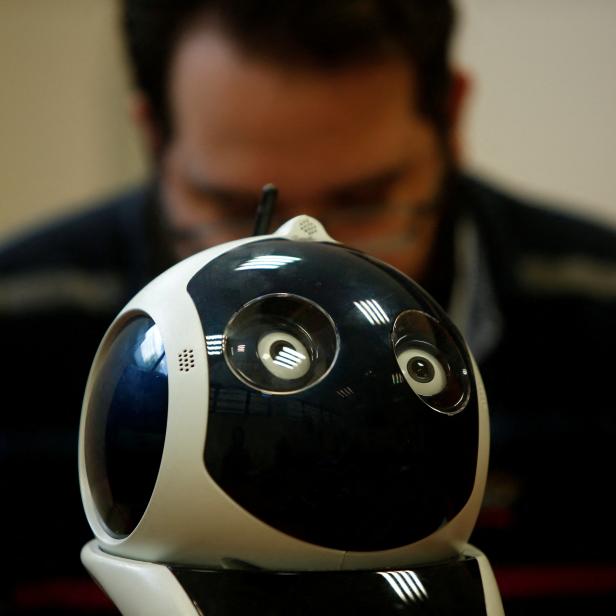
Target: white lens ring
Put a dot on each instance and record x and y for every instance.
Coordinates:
(435, 385)
(283, 355)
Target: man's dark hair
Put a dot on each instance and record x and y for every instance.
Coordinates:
(316, 33)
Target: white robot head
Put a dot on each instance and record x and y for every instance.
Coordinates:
(287, 402)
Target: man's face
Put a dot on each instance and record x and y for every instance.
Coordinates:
(344, 146)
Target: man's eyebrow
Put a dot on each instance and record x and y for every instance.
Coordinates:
(381, 180)
(224, 194)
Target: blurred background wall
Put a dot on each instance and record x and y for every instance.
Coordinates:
(65, 135)
(541, 117)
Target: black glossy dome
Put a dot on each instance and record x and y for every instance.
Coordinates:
(126, 424)
(376, 449)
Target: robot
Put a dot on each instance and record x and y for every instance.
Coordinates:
(285, 425)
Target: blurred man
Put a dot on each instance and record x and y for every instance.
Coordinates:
(352, 109)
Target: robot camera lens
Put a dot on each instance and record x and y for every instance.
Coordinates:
(280, 344)
(421, 370)
(431, 361)
(426, 375)
(283, 355)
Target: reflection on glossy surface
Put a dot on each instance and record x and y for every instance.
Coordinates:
(265, 262)
(448, 588)
(397, 378)
(356, 461)
(373, 312)
(345, 392)
(213, 344)
(406, 585)
(126, 425)
(150, 352)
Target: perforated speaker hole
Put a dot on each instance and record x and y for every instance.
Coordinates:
(186, 360)
(307, 226)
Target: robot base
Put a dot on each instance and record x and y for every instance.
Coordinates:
(461, 586)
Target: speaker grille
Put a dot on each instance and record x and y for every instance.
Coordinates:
(187, 360)
(307, 226)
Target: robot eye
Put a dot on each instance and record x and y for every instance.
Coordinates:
(431, 361)
(423, 372)
(280, 344)
(284, 355)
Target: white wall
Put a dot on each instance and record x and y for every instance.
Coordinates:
(541, 117)
(64, 131)
(543, 114)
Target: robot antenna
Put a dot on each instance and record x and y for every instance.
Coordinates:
(265, 209)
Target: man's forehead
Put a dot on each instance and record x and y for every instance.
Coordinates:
(209, 46)
(250, 117)
(210, 69)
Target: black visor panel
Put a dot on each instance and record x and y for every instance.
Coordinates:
(127, 420)
(354, 459)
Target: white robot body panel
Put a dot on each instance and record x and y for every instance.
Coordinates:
(137, 587)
